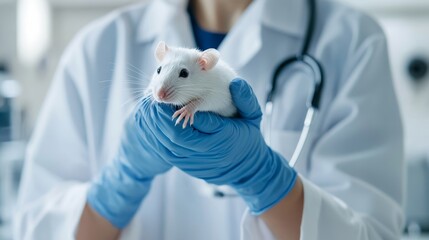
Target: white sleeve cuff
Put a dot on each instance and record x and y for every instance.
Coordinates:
(311, 212)
(61, 207)
(254, 228)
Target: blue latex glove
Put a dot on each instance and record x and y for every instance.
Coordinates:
(118, 191)
(228, 151)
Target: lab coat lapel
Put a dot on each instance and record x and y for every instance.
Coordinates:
(173, 26)
(167, 21)
(244, 40)
(287, 16)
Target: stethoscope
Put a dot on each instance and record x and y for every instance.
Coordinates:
(313, 103)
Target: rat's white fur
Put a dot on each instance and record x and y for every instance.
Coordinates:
(210, 87)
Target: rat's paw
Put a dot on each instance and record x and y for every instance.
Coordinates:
(186, 113)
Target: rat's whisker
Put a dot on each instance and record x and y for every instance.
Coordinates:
(107, 80)
(134, 79)
(139, 73)
(136, 89)
(131, 100)
(138, 70)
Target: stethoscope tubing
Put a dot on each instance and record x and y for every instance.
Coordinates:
(314, 99)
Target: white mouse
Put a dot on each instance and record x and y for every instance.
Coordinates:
(193, 80)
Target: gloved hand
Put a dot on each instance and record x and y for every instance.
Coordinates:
(122, 184)
(228, 151)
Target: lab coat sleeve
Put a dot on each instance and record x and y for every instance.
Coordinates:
(60, 156)
(355, 186)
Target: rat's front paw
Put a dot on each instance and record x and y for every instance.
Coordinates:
(186, 113)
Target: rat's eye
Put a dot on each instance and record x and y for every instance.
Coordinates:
(158, 70)
(184, 73)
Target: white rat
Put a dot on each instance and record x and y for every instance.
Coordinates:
(194, 80)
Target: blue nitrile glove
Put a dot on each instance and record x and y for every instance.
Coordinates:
(228, 151)
(117, 192)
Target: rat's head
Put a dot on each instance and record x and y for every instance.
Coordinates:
(179, 76)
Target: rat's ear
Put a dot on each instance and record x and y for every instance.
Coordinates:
(160, 51)
(208, 59)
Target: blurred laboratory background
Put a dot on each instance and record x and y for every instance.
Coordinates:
(34, 33)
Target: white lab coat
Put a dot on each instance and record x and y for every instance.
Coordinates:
(352, 168)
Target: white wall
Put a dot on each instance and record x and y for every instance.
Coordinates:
(406, 24)
(408, 38)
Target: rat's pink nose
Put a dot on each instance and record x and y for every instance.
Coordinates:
(162, 94)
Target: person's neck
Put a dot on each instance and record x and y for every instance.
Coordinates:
(218, 15)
